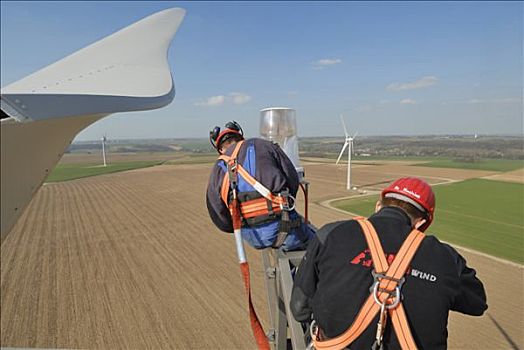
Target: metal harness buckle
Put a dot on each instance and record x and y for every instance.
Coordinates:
(392, 293)
(288, 199)
(232, 172)
(384, 306)
(313, 330)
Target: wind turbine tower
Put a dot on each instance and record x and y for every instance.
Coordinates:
(104, 139)
(347, 144)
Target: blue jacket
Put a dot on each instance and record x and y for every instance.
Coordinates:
(267, 163)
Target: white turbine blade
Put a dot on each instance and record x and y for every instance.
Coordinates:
(355, 134)
(344, 125)
(352, 147)
(127, 71)
(341, 152)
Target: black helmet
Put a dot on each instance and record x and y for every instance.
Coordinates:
(217, 136)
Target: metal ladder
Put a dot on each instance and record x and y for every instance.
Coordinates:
(279, 283)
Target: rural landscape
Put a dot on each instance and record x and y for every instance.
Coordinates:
(124, 256)
(106, 241)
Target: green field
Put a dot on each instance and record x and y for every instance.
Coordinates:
(330, 157)
(479, 164)
(64, 172)
(479, 214)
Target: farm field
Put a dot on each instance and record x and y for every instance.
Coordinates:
(96, 158)
(478, 214)
(64, 172)
(130, 260)
(74, 168)
(510, 176)
(480, 164)
(501, 165)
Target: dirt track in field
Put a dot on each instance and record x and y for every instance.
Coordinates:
(511, 176)
(130, 260)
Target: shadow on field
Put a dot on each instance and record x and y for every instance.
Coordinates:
(514, 346)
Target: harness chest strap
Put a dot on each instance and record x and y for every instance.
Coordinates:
(397, 270)
(231, 161)
(392, 275)
(224, 190)
(269, 204)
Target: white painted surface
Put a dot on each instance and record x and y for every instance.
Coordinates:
(130, 62)
(126, 71)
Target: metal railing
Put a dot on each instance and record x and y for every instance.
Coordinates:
(284, 330)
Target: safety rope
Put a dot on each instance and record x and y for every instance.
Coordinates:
(234, 207)
(305, 191)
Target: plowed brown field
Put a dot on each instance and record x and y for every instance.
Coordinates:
(131, 260)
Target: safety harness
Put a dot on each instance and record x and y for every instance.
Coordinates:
(260, 207)
(385, 298)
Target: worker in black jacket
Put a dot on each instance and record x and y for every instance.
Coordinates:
(335, 275)
(269, 165)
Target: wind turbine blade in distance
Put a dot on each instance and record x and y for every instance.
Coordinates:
(341, 152)
(344, 125)
(355, 134)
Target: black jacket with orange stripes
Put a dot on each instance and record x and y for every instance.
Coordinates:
(334, 278)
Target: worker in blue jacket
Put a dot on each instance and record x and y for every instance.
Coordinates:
(268, 225)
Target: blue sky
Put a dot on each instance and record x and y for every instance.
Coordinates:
(391, 68)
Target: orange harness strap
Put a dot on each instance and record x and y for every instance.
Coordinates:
(387, 282)
(258, 207)
(232, 161)
(235, 210)
(397, 270)
(224, 191)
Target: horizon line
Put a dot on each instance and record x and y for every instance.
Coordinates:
(312, 137)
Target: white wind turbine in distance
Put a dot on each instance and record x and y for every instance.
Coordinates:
(104, 140)
(348, 143)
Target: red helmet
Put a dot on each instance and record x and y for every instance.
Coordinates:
(217, 136)
(416, 192)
